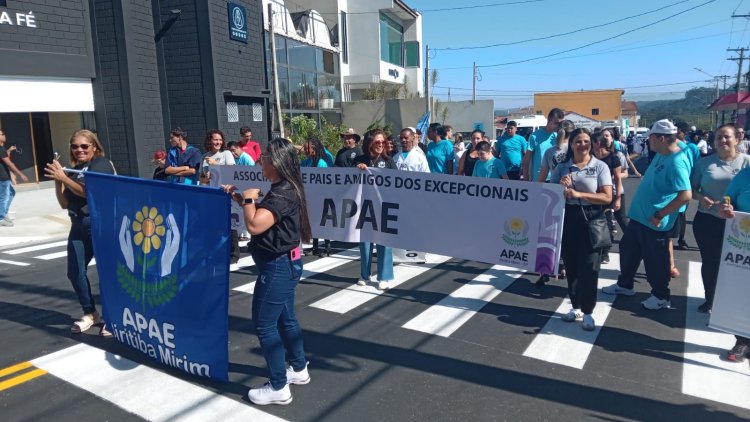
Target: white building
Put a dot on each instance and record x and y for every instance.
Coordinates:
(374, 40)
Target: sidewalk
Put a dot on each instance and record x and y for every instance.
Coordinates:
(37, 216)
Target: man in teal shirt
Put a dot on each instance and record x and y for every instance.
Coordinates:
(511, 147)
(653, 212)
(440, 153)
(539, 142)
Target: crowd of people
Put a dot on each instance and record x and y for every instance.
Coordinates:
(589, 165)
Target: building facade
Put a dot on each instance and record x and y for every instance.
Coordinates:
(130, 70)
(601, 105)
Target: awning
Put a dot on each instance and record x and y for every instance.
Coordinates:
(730, 102)
(25, 95)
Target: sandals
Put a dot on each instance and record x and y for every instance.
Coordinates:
(87, 321)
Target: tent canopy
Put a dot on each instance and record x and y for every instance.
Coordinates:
(731, 101)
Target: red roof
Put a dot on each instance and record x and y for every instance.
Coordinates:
(732, 101)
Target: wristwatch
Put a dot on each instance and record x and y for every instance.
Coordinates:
(248, 201)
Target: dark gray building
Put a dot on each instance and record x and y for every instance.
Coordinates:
(130, 70)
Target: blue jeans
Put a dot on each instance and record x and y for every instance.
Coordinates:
(385, 261)
(6, 197)
(80, 252)
(273, 314)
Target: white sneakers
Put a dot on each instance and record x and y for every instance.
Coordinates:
(382, 285)
(614, 289)
(588, 323)
(267, 395)
(576, 314)
(654, 303)
(572, 315)
(87, 321)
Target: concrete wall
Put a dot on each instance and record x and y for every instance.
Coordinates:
(61, 126)
(582, 102)
(462, 115)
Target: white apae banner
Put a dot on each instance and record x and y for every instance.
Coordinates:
(730, 311)
(506, 222)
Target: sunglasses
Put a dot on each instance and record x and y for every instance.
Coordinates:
(84, 147)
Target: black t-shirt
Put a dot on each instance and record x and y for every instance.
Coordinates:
(285, 234)
(345, 157)
(383, 161)
(4, 170)
(77, 204)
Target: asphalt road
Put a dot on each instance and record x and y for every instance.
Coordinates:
(424, 350)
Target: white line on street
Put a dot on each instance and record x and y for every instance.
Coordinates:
(20, 264)
(52, 255)
(705, 373)
(37, 247)
(453, 311)
(141, 390)
(566, 343)
(354, 295)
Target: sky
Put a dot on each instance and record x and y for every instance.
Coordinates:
(648, 48)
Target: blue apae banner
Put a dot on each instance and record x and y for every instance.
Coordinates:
(162, 254)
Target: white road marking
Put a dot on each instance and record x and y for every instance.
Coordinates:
(705, 372)
(453, 311)
(316, 267)
(354, 295)
(37, 247)
(20, 264)
(141, 390)
(52, 255)
(566, 343)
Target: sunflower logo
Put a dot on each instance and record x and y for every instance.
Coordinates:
(149, 229)
(745, 225)
(516, 231)
(739, 236)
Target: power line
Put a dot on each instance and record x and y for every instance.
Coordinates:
(479, 6)
(563, 33)
(539, 90)
(599, 41)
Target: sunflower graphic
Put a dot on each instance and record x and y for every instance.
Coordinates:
(149, 229)
(745, 225)
(516, 225)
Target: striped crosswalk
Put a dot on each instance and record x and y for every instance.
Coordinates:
(704, 374)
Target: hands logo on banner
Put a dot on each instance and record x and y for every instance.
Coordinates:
(149, 284)
(516, 232)
(740, 236)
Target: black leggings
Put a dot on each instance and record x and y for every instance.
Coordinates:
(709, 235)
(581, 260)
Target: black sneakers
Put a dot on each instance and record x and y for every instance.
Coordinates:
(739, 352)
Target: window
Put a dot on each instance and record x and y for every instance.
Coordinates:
(280, 49)
(411, 53)
(391, 41)
(301, 55)
(594, 111)
(344, 39)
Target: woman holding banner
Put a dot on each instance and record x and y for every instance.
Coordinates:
(710, 178)
(277, 224)
(738, 199)
(375, 156)
(588, 189)
(86, 154)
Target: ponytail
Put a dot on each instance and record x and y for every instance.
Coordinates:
(563, 134)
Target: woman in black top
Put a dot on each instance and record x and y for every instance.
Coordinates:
(471, 155)
(87, 154)
(277, 225)
(375, 156)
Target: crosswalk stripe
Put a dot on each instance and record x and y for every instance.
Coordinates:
(704, 373)
(141, 390)
(36, 247)
(354, 295)
(448, 315)
(17, 263)
(316, 267)
(565, 343)
(50, 256)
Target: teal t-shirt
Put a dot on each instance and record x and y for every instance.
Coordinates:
(739, 191)
(693, 152)
(245, 160)
(539, 142)
(665, 177)
(308, 162)
(438, 154)
(492, 168)
(511, 151)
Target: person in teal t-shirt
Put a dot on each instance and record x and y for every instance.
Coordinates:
(511, 148)
(487, 165)
(539, 142)
(241, 158)
(653, 211)
(440, 155)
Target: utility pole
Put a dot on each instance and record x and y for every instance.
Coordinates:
(275, 72)
(474, 85)
(723, 93)
(427, 81)
(740, 61)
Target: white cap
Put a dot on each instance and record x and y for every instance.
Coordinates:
(662, 127)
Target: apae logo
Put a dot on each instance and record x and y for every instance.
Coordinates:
(516, 232)
(145, 269)
(740, 235)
